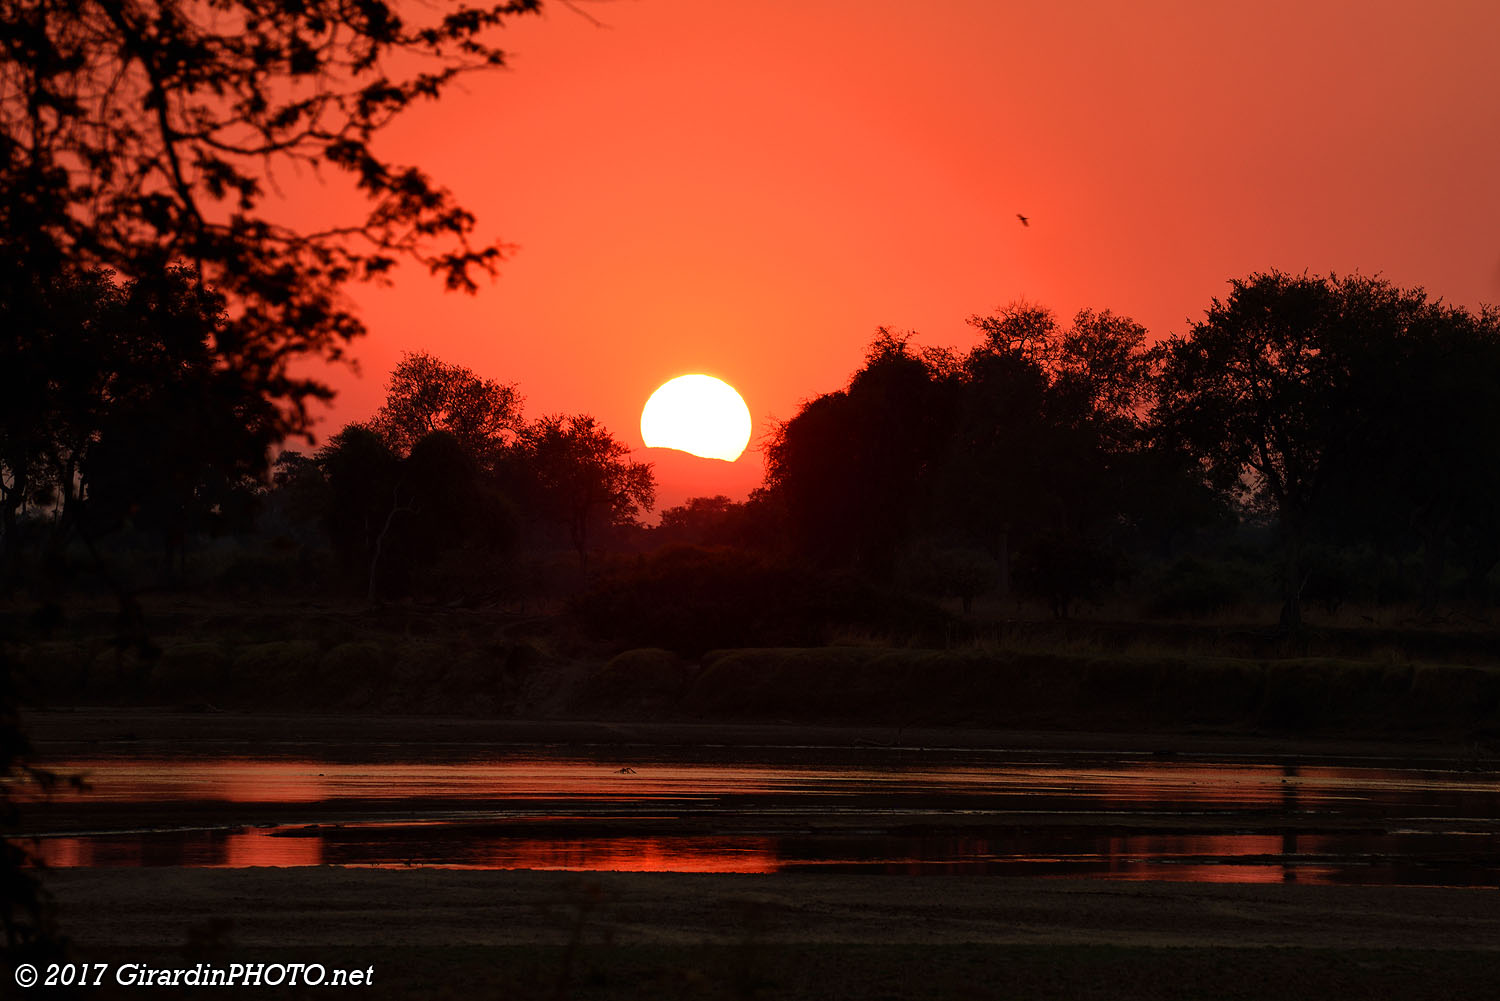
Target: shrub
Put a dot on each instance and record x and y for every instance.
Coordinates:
(188, 669)
(1193, 587)
(641, 680)
(275, 672)
(690, 600)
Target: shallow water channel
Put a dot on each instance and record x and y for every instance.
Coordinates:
(777, 809)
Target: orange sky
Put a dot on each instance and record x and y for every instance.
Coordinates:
(748, 190)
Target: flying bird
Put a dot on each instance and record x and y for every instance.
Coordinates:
(1024, 221)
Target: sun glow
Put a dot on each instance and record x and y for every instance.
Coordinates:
(697, 414)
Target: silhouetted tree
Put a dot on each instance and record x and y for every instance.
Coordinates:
(1047, 431)
(455, 515)
(1424, 468)
(135, 135)
(425, 395)
(993, 473)
(581, 477)
(809, 465)
(1019, 330)
(952, 571)
(1028, 433)
(1272, 391)
(756, 523)
(854, 467)
(1168, 500)
(51, 391)
(698, 521)
(123, 413)
(297, 500)
(392, 520)
(1101, 367)
(364, 498)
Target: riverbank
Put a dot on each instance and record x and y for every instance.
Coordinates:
(135, 730)
(615, 935)
(611, 936)
(1396, 685)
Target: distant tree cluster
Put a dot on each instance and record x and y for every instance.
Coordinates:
(448, 475)
(1349, 414)
(1354, 420)
(1311, 439)
(1017, 464)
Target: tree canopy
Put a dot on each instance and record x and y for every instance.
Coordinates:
(1326, 403)
(114, 408)
(136, 135)
(425, 394)
(580, 475)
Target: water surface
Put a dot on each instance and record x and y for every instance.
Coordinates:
(874, 810)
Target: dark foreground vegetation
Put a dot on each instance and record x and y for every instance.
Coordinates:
(1392, 685)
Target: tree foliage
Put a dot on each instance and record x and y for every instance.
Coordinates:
(426, 395)
(1024, 440)
(1282, 389)
(140, 134)
(115, 409)
(854, 465)
(581, 476)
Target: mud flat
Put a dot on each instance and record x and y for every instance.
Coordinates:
(443, 933)
(451, 933)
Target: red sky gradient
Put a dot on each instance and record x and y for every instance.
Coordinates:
(748, 190)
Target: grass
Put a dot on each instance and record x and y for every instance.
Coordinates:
(1024, 689)
(1039, 674)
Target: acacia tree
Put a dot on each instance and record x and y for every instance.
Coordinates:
(135, 134)
(1272, 392)
(427, 395)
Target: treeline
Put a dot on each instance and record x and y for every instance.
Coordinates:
(1328, 438)
(448, 484)
(1339, 430)
(134, 428)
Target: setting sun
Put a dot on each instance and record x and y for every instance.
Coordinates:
(697, 414)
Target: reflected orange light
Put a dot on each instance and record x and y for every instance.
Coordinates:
(247, 849)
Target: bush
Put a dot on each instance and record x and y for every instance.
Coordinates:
(953, 572)
(690, 600)
(1193, 587)
(642, 680)
(263, 574)
(275, 672)
(190, 669)
(352, 673)
(1063, 570)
